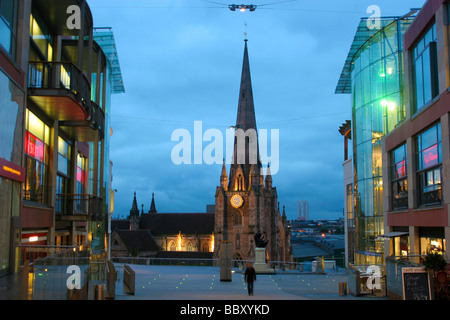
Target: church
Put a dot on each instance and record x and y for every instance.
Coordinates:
(246, 205)
(246, 202)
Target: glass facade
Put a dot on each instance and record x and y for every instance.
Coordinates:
(11, 147)
(378, 108)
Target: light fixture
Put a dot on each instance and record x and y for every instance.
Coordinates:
(33, 238)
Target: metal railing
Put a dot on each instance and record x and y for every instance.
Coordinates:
(60, 75)
(66, 76)
(79, 204)
(394, 266)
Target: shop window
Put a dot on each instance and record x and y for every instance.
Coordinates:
(429, 244)
(424, 58)
(399, 178)
(37, 137)
(429, 166)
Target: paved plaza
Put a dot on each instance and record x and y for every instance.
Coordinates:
(203, 283)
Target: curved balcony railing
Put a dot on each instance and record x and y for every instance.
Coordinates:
(61, 75)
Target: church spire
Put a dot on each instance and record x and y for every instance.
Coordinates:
(246, 118)
(153, 206)
(134, 208)
(246, 149)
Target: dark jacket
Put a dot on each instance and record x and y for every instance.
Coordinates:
(250, 275)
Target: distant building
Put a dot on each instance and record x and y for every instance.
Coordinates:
(302, 210)
(163, 235)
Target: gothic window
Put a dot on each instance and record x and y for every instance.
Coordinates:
(172, 246)
(205, 247)
(240, 182)
(237, 219)
(238, 241)
(189, 246)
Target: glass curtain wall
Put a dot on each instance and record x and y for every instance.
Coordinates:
(378, 108)
(11, 148)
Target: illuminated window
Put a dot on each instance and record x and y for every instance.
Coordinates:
(399, 178)
(37, 137)
(240, 182)
(172, 246)
(429, 163)
(189, 246)
(63, 177)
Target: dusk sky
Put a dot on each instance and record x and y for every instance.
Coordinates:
(181, 62)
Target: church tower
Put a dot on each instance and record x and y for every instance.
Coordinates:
(246, 203)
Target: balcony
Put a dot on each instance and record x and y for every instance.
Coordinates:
(78, 207)
(63, 92)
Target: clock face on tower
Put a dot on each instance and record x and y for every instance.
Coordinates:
(237, 201)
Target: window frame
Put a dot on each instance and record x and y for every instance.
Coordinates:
(399, 183)
(426, 45)
(422, 171)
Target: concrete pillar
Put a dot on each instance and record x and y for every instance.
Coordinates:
(225, 261)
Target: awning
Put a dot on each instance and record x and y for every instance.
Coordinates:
(391, 235)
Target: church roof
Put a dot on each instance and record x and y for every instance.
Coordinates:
(173, 223)
(140, 240)
(119, 224)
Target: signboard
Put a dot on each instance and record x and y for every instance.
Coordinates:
(11, 171)
(416, 284)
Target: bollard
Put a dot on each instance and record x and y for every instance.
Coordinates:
(99, 292)
(342, 288)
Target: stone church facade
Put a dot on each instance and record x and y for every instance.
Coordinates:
(246, 202)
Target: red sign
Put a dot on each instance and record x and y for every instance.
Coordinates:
(430, 156)
(400, 169)
(34, 147)
(11, 171)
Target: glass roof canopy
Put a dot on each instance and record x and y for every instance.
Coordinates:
(105, 39)
(363, 34)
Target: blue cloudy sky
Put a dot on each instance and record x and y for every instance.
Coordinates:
(181, 62)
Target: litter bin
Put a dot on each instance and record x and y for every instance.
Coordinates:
(99, 292)
(342, 288)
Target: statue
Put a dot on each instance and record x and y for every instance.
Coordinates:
(260, 242)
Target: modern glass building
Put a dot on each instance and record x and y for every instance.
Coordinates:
(373, 75)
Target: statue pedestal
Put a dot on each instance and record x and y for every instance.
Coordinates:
(260, 264)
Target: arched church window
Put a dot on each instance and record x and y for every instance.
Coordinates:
(189, 246)
(205, 247)
(172, 246)
(240, 182)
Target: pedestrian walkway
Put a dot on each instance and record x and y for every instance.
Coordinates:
(158, 282)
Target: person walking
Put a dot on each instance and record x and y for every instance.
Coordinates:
(250, 277)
